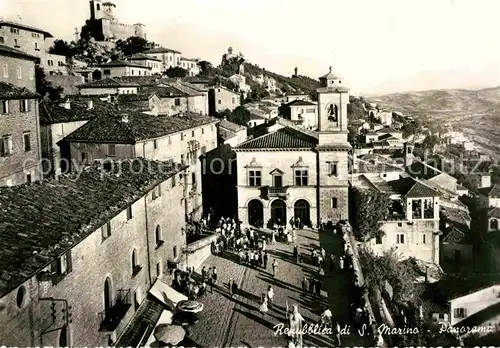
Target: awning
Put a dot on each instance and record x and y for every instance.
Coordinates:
(166, 294)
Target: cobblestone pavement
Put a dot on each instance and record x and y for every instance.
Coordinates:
(237, 322)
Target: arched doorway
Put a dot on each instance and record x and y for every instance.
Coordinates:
(278, 211)
(302, 211)
(107, 295)
(255, 213)
(63, 337)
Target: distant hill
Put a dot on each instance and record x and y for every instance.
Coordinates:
(474, 112)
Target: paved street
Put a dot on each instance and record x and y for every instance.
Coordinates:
(227, 322)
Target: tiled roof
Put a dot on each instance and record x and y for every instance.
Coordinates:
(12, 52)
(412, 188)
(41, 221)
(186, 88)
(142, 56)
(163, 92)
(231, 126)
(388, 137)
(120, 63)
(492, 191)
(161, 50)
(196, 80)
(127, 98)
(139, 126)
(25, 27)
(226, 134)
(143, 81)
(51, 113)
(284, 138)
(9, 91)
(111, 82)
(378, 167)
(449, 288)
(298, 102)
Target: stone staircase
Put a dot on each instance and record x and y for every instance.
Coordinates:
(142, 324)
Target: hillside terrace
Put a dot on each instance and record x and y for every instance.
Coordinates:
(38, 221)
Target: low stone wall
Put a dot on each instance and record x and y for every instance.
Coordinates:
(199, 251)
(357, 269)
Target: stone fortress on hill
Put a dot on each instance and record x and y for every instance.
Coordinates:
(104, 26)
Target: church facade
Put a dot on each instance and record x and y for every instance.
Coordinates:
(290, 172)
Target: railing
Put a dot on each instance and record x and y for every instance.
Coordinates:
(111, 317)
(277, 191)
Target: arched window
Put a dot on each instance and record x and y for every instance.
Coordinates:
(21, 292)
(493, 224)
(107, 295)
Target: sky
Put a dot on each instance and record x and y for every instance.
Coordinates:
(377, 47)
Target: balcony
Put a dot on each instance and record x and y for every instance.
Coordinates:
(111, 318)
(277, 191)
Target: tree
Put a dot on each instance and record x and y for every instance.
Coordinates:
(240, 116)
(226, 114)
(62, 48)
(133, 45)
(369, 207)
(176, 72)
(206, 69)
(45, 88)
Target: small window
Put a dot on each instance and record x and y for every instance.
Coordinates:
(460, 313)
(192, 133)
(400, 224)
(220, 101)
(175, 251)
(156, 192)
(21, 292)
(136, 268)
(182, 159)
(5, 106)
(36, 46)
(107, 72)
(111, 150)
(129, 212)
(193, 179)
(106, 230)
(169, 140)
(254, 178)
(28, 178)
(19, 73)
(202, 130)
(334, 203)
(24, 105)
(400, 238)
(5, 71)
(424, 238)
(158, 237)
(158, 269)
(155, 144)
(177, 102)
(233, 100)
(84, 157)
(15, 43)
(6, 146)
(378, 240)
(182, 136)
(301, 178)
(27, 142)
(333, 168)
(173, 181)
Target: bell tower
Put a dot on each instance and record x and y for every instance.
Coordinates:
(333, 148)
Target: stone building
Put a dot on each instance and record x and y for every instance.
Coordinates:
(119, 68)
(71, 280)
(19, 124)
(221, 98)
(169, 58)
(301, 112)
(191, 65)
(152, 62)
(295, 173)
(183, 138)
(104, 26)
(32, 41)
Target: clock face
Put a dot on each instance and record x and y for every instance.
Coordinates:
(332, 113)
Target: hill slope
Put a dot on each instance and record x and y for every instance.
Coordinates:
(474, 112)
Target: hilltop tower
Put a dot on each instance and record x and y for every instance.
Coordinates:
(333, 148)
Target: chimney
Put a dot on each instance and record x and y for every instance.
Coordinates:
(296, 71)
(125, 118)
(485, 180)
(67, 104)
(90, 105)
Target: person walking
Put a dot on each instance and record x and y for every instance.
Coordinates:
(341, 263)
(270, 295)
(337, 334)
(305, 285)
(273, 240)
(214, 275)
(323, 253)
(203, 273)
(332, 262)
(263, 307)
(296, 253)
(210, 279)
(265, 260)
(275, 267)
(234, 288)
